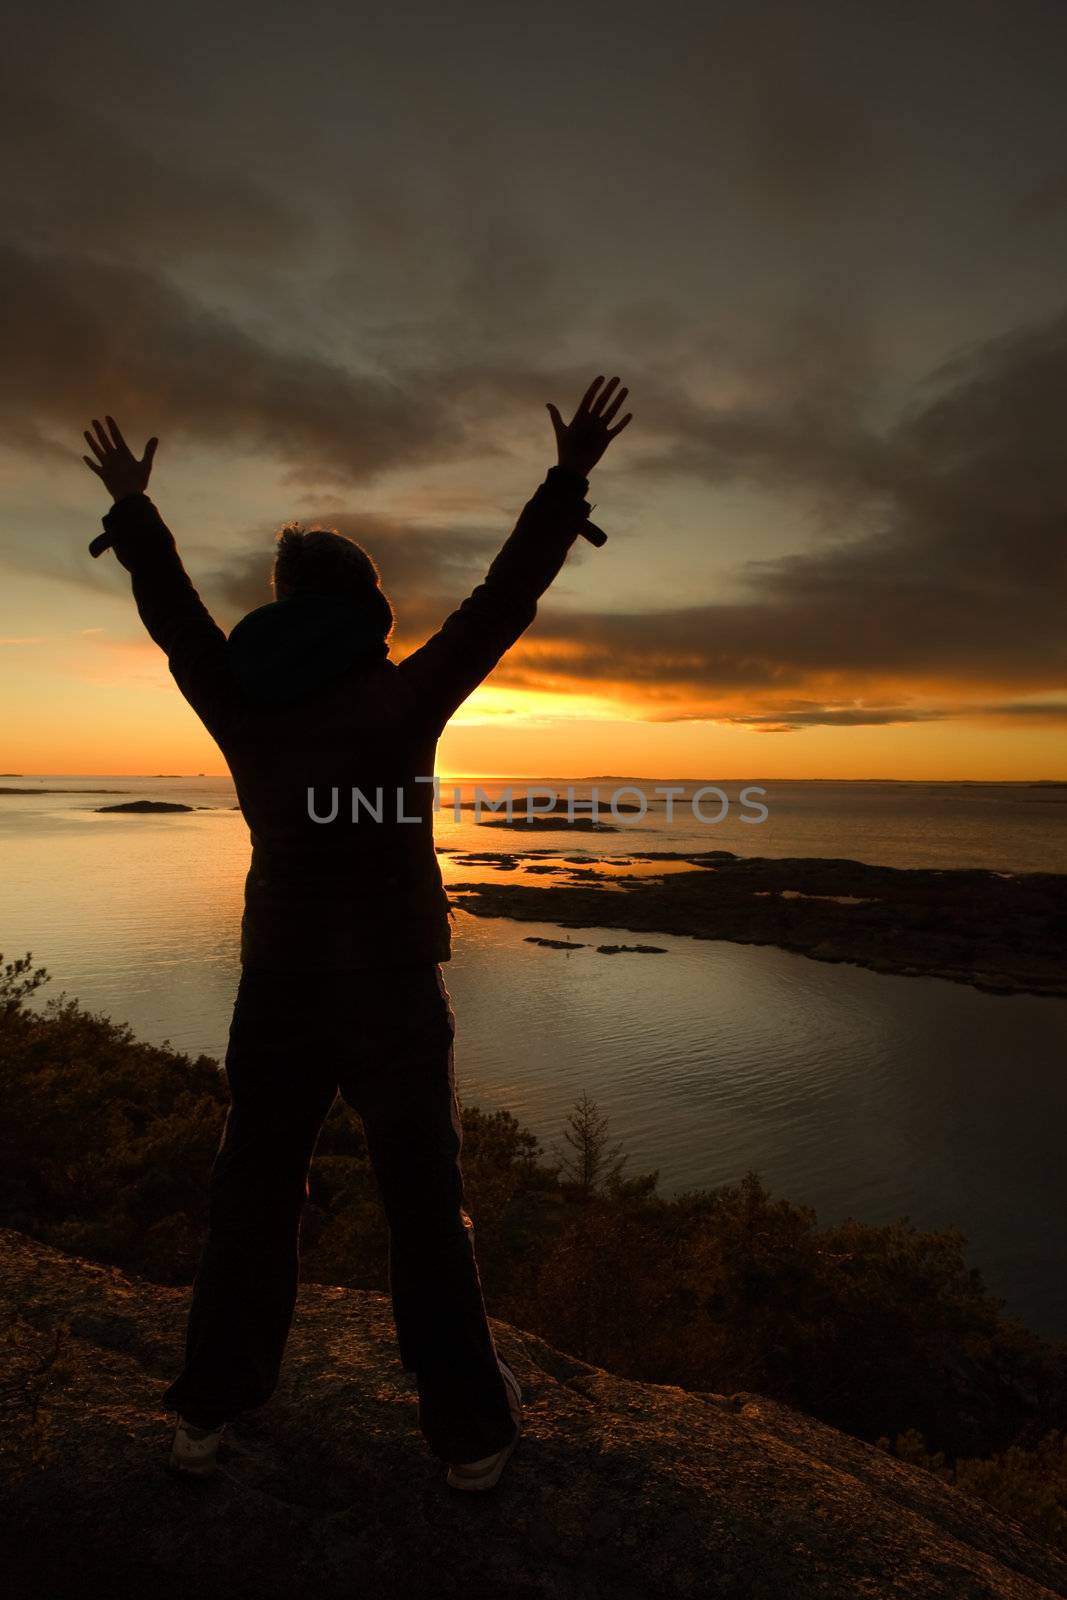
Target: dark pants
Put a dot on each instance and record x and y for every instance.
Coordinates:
(385, 1039)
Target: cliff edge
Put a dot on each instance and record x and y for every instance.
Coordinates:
(618, 1490)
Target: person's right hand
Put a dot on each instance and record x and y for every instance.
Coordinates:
(583, 440)
(115, 462)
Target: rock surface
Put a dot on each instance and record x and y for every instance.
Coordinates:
(618, 1490)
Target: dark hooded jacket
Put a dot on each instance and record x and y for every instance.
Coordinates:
(306, 706)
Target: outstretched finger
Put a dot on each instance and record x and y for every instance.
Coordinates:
(102, 436)
(602, 396)
(613, 431)
(589, 393)
(92, 466)
(116, 435)
(612, 410)
(93, 445)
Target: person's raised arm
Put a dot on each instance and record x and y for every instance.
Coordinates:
(448, 667)
(169, 606)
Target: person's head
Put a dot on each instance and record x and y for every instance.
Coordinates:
(321, 561)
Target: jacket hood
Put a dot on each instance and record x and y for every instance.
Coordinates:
(281, 653)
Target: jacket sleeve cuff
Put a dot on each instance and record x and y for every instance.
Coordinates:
(567, 479)
(139, 536)
(563, 491)
(130, 508)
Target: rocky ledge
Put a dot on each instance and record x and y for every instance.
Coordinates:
(1000, 931)
(618, 1490)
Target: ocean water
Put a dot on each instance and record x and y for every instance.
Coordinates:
(857, 1093)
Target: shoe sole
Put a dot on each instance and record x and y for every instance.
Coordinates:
(195, 1466)
(491, 1476)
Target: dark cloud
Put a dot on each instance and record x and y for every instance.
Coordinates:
(82, 185)
(405, 273)
(858, 716)
(798, 388)
(810, 148)
(957, 583)
(1048, 198)
(1036, 711)
(961, 572)
(162, 285)
(79, 332)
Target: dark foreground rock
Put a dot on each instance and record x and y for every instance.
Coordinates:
(1002, 932)
(618, 1490)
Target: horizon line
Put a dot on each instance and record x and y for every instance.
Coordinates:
(584, 778)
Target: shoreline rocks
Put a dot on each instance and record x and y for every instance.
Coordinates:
(1004, 933)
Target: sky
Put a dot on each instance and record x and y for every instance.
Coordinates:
(338, 259)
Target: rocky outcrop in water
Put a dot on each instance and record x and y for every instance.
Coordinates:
(147, 806)
(1000, 931)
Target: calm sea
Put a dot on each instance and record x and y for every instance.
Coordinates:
(853, 1092)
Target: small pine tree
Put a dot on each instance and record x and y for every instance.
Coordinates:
(590, 1164)
(18, 980)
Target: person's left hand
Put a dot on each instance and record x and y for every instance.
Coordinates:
(116, 464)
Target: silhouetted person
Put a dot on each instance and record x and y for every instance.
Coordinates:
(344, 929)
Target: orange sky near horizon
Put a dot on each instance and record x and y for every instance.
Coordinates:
(91, 694)
(133, 721)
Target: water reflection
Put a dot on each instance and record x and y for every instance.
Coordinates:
(854, 1092)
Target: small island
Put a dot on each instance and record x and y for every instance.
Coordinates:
(144, 807)
(550, 824)
(559, 808)
(631, 949)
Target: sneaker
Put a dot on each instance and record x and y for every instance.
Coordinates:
(195, 1450)
(484, 1474)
